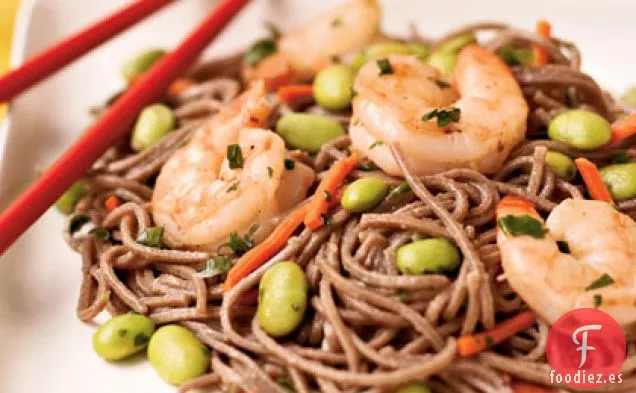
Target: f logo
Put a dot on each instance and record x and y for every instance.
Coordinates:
(584, 347)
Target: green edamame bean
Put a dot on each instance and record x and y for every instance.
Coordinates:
(333, 87)
(177, 355)
(68, 200)
(445, 62)
(630, 96)
(123, 336)
(455, 45)
(385, 49)
(141, 63)
(561, 165)
(282, 299)
(153, 123)
(414, 387)
(620, 180)
(434, 255)
(364, 194)
(308, 132)
(580, 129)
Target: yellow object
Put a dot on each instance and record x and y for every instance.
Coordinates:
(8, 9)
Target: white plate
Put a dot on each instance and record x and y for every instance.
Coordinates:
(43, 347)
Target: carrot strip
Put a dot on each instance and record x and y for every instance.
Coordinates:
(473, 344)
(179, 86)
(327, 188)
(293, 93)
(258, 255)
(623, 128)
(112, 202)
(593, 180)
(544, 29)
(519, 387)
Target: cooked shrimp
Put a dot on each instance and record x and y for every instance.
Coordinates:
(200, 200)
(390, 107)
(304, 51)
(602, 244)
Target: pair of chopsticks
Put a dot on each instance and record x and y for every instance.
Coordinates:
(74, 163)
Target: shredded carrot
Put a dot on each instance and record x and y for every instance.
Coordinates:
(179, 86)
(271, 245)
(295, 93)
(511, 204)
(623, 128)
(519, 387)
(593, 181)
(112, 202)
(327, 188)
(473, 344)
(544, 29)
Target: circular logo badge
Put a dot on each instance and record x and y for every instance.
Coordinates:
(585, 348)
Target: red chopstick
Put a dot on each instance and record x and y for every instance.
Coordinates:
(53, 59)
(93, 143)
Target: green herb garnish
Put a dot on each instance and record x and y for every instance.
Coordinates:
(151, 237)
(274, 31)
(234, 186)
(375, 144)
(601, 282)
(235, 156)
(620, 158)
(564, 247)
(490, 341)
(444, 116)
(240, 245)
(516, 56)
(385, 66)
(100, 233)
(286, 384)
(289, 164)
(522, 225)
(598, 300)
(259, 51)
(368, 166)
(77, 222)
(441, 84)
(401, 189)
(215, 266)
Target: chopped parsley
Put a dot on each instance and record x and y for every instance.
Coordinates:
(444, 116)
(141, 339)
(270, 171)
(274, 31)
(601, 282)
(289, 164)
(564, 247)
(235, 156)
(234, 186)
(399, 190)
(259, 51)
(375, 144)
(522, 225)
(404, 296)
(215, 266)
(151, 237)
(620, 158)
(368, 166)
(286, 384)
(441, 84)
(336, 22)
(598, 300)
(77, 222)
(100, 233)
(385, 66)
(240, 245)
